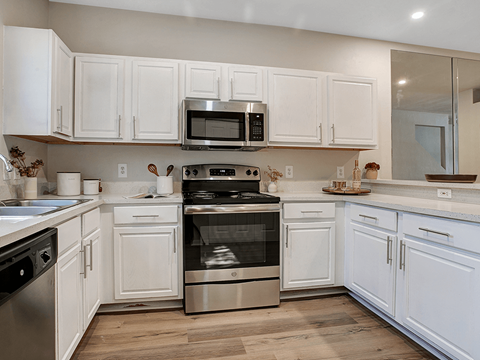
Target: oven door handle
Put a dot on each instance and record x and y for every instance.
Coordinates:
(230, 209)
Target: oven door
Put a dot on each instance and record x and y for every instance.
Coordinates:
(225, 237)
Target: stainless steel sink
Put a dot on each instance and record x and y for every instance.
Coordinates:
(32, 208)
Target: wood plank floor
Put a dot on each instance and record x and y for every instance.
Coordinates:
(326, 328)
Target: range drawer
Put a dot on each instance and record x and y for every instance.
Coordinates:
(308, 210)
(145, 214)
(377, 217)
(459, 234)
(90, 222)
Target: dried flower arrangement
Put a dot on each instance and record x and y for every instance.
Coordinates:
(372, 166)
(19, 163)
(273, 174)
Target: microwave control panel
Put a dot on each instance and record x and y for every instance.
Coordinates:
(257, 127)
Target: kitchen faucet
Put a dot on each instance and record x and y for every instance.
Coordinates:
(8, 166)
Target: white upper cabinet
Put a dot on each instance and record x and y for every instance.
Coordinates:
(352, 111)
(202, 81)
(246, 83)
(38, 83)
(295, 110)
(154, 100)
(99, 94)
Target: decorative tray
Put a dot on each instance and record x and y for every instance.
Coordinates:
(348, 191)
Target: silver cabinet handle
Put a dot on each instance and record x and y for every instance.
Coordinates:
(368, 217)
(91, 255)
(84, 273)
(140, 216)
(389, 250)
(231, 89)
(311, 211)
(60, 120)
(119, 126)
(320, 127)
(218, 88)
(435, 232)
(286, 237)
(333, 133)
(134, 127)
(402, 255)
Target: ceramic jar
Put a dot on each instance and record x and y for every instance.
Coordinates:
(371, 174)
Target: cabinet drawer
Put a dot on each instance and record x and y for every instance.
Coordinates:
(145, 214)
(69, 234)
(90, 221)
(454, 233)
(381, 218)
(309, 211)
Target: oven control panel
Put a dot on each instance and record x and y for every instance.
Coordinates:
(220, 172)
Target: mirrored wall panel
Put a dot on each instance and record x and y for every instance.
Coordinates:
(422, 108)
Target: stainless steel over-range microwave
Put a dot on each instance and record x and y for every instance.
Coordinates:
(217, 125)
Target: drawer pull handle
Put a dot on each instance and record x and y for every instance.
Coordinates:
(311, 211)
(368, 217)
(435, 232)
(145, 215)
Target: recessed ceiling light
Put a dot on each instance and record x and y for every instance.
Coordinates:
(401, 82)
(417, 15)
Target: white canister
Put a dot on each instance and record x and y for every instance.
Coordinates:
(164, 185)
(30, 188)
(90, 186)
(68, 183)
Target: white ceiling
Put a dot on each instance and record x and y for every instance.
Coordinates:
(449, 24)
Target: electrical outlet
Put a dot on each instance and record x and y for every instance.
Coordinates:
(444, 193)
(340, 172)
(289, 172)
(122, 170)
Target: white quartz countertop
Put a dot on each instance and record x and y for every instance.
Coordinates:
(15, 229)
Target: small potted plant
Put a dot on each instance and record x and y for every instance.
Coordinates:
(371, 170)
(274, 175)
(29, 172)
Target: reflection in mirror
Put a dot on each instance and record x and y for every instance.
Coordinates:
(468, 85)
(422, 130)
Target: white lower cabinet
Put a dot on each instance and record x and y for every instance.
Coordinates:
(91, 277)
(145, 262)
(371, 269)
(427, 279)
(308, 255)
(440, 292)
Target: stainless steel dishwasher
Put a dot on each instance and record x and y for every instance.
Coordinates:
(27, 297)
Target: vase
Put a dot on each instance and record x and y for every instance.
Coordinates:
(30, 188)
(371, 174)
(272, 187)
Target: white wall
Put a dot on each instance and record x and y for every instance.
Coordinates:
(29, 13)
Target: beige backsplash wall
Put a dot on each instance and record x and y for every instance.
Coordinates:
(29, 13)
(121, 32)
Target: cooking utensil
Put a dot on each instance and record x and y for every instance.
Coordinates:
(169, 169)
(153, 169)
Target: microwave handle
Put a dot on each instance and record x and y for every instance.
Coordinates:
(247, 126)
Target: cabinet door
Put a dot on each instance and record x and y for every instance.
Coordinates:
(63, 107)
(145, 262)
(370, 265)
(91, 277)
(69, 303)
(155, 100)
(295, 107)
(308, 255)
(99, 87)
(352, 110)
(441, 291)
(245, 83)
(202, 81)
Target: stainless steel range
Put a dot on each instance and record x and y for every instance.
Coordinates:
(231, 239)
